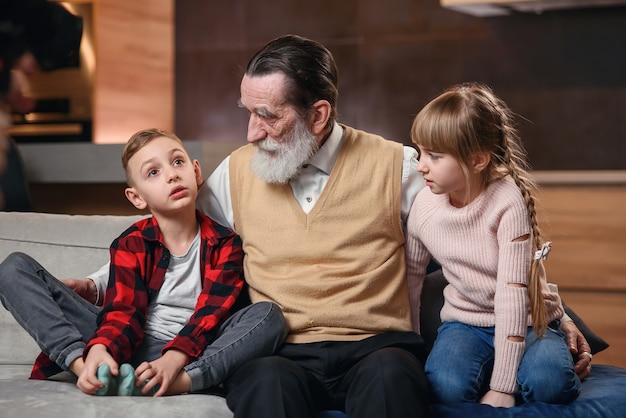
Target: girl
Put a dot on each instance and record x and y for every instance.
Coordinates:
(500, 334)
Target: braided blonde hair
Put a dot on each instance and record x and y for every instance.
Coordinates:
(469, 118)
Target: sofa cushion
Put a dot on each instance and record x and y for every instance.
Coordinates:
(80, 241)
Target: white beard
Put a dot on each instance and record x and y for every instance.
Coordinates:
(278, 162)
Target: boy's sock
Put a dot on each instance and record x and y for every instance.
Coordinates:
(123, 384)
(110, 384)
(126, 380)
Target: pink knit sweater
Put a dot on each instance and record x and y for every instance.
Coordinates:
(480, 259)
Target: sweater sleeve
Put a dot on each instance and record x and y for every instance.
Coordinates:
(511, 303)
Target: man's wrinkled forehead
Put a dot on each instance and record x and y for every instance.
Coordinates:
(264, 95)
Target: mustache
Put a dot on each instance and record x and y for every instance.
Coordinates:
(268, 145)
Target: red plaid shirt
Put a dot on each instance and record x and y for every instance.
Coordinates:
(138, 265)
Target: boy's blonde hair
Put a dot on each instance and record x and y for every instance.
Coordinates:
(141, 139)
(466, 119)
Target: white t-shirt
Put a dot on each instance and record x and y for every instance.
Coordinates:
(171, 309)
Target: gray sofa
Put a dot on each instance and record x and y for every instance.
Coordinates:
(71, 246)
(76, 245)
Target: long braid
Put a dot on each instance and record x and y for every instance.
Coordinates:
(513, 157)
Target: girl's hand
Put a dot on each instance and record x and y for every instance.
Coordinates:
(498, 399)
(87, 380)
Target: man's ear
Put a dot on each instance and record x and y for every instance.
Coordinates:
(321, 114)
(480, 160)
(134, 198)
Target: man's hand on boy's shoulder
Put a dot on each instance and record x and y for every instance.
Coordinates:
(85, 288)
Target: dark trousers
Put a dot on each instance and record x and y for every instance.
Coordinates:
(379, 377)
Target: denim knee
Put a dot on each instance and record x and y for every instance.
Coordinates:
(460, 362)
(12, 265)
(11, 262)
(546, 373)
(447, 386)
(550, 391)
(551, 387)
(273, 319)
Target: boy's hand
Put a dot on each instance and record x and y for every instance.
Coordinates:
(84, 288)
(87, 381)
(161, 371)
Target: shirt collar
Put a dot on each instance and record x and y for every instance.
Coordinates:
(325, 158)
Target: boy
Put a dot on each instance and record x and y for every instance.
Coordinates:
(174, 279)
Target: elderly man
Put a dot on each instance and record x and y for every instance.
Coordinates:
(319, 207)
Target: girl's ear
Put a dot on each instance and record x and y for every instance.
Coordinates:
(134, 198)
(321, 114)
(480, 160)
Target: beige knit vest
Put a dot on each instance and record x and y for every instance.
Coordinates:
(337, 272)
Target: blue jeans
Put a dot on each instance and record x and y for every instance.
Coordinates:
(61, 323)
(460, 364)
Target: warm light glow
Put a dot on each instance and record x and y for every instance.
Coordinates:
(87, 49)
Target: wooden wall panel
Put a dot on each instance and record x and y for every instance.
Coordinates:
(134, 82)
(587, 227)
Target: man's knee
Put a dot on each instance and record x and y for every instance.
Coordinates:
(270, 387)
(270, 371)
(388, 382)
(393, 368)
(391, 362)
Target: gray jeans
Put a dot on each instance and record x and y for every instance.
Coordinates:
(61, 323)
